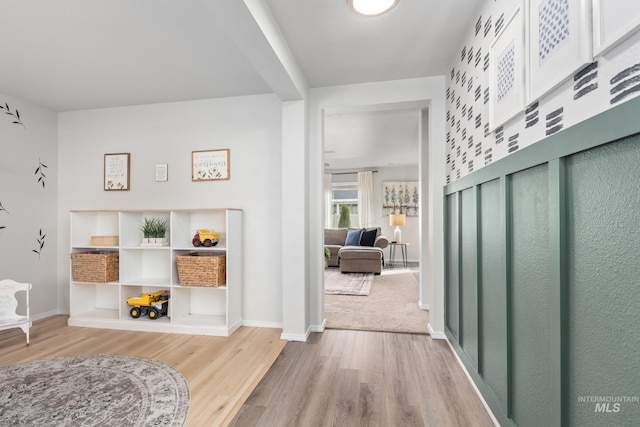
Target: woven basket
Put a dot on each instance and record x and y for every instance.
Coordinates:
(98, 267)
(202, 269)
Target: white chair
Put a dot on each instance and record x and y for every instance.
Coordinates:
(9, 318)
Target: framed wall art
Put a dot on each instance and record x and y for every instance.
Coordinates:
(507, 62)
(558, 43)
(613, 21)
(401, 197)
(116, 171)
(210, 165)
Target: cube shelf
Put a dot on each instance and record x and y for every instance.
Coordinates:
(149, 269)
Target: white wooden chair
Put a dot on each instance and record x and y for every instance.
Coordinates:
(9, 318)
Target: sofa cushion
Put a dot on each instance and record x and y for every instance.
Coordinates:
(335, 236)
(368, 237)
(353, 238)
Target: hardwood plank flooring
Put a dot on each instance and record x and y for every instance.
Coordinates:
(358, 378)
(337, 378)
(221, 371)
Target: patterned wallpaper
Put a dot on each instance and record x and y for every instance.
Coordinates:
(609, 79)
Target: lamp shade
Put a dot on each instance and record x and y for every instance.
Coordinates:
(397, 219)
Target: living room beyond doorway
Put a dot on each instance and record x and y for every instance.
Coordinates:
(391, 304)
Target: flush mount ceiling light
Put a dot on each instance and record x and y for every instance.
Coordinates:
(372, 7)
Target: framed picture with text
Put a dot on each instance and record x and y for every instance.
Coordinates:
(210, 165)
(116, 171)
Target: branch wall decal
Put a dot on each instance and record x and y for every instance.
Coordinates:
(15, 115)
(40, 170)
(2, 208)
(40, 241)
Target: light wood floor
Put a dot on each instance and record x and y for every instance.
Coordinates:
(221, 372)
(337, 378)
(355, 378)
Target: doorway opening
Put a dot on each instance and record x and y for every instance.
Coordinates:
(387, 141)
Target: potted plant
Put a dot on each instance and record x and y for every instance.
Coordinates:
(154, 231)
(345, 217)
(327, 256)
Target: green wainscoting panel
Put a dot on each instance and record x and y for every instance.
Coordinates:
(604, 285)
(493, 301)
(452, 268)
(530, 298)
(469, 274)
(542, 276)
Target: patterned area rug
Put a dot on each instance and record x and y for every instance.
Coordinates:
(93, 390)
(337, 283)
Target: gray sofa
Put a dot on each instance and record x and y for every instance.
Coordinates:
(353, 254)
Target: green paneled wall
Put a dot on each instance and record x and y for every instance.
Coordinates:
(530, 300)
(603, 213)
(542, 284)
(452, 269)
(493, 295)
(469, 274)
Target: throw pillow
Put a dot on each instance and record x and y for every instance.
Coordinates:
(368, 237)
(353, 238)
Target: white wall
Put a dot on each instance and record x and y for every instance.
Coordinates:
(28, 207)
(251, 127)
(411, 230)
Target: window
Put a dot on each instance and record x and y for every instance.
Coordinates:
(344, 193)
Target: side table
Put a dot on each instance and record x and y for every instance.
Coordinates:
(392, 253)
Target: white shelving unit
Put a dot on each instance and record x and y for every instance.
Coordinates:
(192, 309)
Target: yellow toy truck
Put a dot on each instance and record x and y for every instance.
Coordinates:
(205, 237)
(152, 304)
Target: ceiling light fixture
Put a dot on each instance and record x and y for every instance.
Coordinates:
(372, 7)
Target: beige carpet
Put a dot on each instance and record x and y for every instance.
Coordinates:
(337, 283)
(392, 306)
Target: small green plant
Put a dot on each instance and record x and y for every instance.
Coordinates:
(327, 256)
(345, 217)
(154, 228)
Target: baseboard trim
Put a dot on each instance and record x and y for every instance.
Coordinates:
(436, 335)
(48, 314)
(473, 384)
(423, 306)
(319, 328)
(257, 324)
(296, 337)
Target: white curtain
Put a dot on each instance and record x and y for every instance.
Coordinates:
(327, 199)
(365, 198)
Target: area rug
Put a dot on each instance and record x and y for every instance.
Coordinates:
(93, 390)
(337, 283)
(392, 306)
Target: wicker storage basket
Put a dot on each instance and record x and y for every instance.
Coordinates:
(98, 267)
(202, 269)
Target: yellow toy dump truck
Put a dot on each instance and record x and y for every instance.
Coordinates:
(205, 237)
(154, 304)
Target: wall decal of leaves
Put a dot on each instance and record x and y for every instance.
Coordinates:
(40, 170)
(2, 208)
(16, 115)
(40, 241)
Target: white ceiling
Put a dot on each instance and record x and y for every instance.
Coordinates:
(76, 54)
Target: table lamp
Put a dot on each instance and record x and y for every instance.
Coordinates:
(397, 220)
